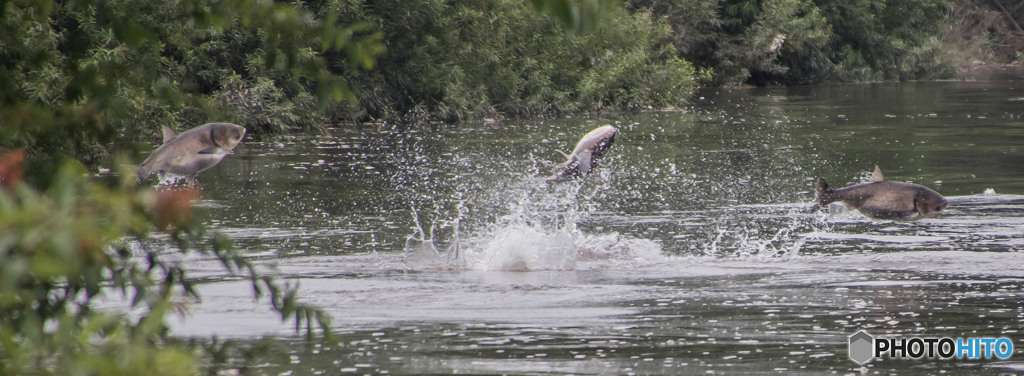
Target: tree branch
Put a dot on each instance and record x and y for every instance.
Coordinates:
(1008, 16)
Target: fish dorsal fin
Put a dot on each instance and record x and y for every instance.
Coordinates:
(169, 134)
(567, 156)
(877, 177)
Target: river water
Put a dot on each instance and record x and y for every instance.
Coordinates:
(439, 249)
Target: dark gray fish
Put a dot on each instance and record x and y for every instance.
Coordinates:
(584, 157)
(190, 152)
(883, 199)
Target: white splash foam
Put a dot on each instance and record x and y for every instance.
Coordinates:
(524, 248)
(521, 248)
(422, 253)
(616, 247)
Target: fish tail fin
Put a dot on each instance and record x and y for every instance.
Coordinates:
(823, 195)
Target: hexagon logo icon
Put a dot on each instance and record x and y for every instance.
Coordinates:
(861, 347)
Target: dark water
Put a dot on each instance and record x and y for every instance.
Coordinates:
(690, 252)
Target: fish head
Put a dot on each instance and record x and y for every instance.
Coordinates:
(227, 135)
(598, 141)
(930, 203)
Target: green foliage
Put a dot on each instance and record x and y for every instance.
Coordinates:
(457, 59)
(264, 106)
(83, 84)
(890, 40)
(64, 249)
(580, 16)
(635, 70)
(112, 72)
(805, 41)
(984, 32)
(83, 79)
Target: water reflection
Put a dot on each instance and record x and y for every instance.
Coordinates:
(691, 252)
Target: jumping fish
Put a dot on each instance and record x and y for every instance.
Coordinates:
(883, 199)
(584, 157)
(190, 152)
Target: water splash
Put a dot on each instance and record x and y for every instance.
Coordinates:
(491, 219)
(537, 233)
(520, 247)
(540, 233)
(617, 247)
(420, 251)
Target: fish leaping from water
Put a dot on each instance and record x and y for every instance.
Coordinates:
(190, 152)
(583, 158)
(883, 199)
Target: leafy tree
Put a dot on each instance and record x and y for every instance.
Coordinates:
(457, 59)
(805, 41)
(982, 32)
(887, 40)
(82, 79)
(67, 247)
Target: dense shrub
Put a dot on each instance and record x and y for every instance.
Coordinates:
(977, 33)
(453, 59)
(78, 80)
(81, 79)
(741, 39)
(79, 242)
(814, 41)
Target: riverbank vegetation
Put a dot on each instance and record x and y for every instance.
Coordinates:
(814, 42)
(90, 271)
(183, 63)
(81, 81)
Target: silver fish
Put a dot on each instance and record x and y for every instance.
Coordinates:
(190, 152)
(883, 199)
(584, 157)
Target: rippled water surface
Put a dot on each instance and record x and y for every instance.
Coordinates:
(440, 249)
